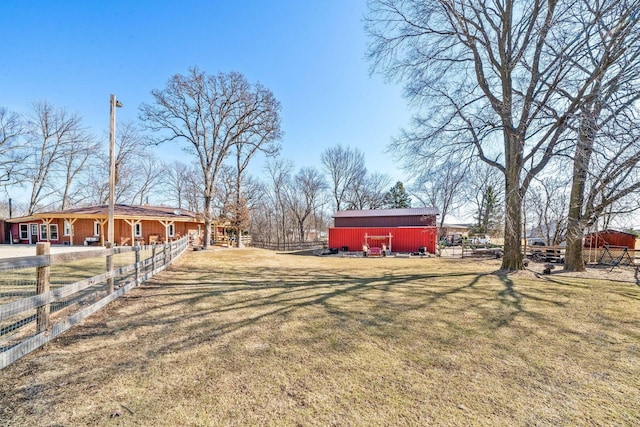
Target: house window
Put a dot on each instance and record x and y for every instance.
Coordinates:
(67, 228)
(172, 230)
(96, 228)
(24, 231)
(43, 232)
(53, 231)
(137, 230)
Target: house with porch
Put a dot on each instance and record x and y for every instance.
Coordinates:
(88, 226)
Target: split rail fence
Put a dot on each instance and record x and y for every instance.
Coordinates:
(44, 295)
(289, 246)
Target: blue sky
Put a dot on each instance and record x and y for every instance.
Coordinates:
(310, 53)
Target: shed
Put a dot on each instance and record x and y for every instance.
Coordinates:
(610, 237)
(410, 229)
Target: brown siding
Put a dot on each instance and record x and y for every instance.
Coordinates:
(387, 221)
(83, 228)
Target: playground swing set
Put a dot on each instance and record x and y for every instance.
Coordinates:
(615, 256)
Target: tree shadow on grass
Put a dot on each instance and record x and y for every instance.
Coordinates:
(510, 299)
(263, 294)
(189, 307)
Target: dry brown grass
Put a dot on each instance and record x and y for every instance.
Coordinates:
(248, 337)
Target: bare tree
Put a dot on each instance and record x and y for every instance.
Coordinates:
(225, 194)
(130, 169)
(18, 208)
(304, 195)
(75, 162)
(254, 200)
(346, 169)
(488, 81)
(177, 183)
(623, 213)
(442, 186)
(12, 147)
(193, 193)
(149, 176)
(262, 137)
(368, 192)
(54, 134)
(262, 226)
(547, 203)
(279, 172)
(130, 157)
(182, 186)
(607, 151)
(210, 113)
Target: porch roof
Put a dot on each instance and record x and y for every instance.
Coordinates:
(161, 213)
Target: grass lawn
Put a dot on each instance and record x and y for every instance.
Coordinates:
(250, 337)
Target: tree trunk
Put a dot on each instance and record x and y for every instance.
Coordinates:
(573, 260)
(512, 259)
(207, 222)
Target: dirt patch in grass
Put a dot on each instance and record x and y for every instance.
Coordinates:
(250, 337)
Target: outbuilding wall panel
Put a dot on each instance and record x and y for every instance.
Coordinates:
(613, 238)
(386, 221)
(405, 239)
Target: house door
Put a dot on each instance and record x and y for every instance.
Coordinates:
(34, 233)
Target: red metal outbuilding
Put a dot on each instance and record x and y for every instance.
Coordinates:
(403, 239)
(609, 237)
(401, 230)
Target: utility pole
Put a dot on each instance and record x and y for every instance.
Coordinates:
(112, 166)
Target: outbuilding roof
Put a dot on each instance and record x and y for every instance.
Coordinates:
(387, 212)
(610, 231)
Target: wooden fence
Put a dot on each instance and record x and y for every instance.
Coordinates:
(290, 246)
(609, 255)
(37, 302)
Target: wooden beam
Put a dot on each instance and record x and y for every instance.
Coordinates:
(71, 221)
(132, 223)
(47, 222)
(102, 223)
(166, 228)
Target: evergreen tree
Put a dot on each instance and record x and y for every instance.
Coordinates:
(489, 213)
(397, 197)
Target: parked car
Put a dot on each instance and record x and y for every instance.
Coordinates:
(452, 240)
(481, 239)
(536, 241)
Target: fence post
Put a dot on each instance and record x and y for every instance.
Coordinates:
(110, 280)
(164, 254)
(43, 275)
(137, 249)
(153, 258)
